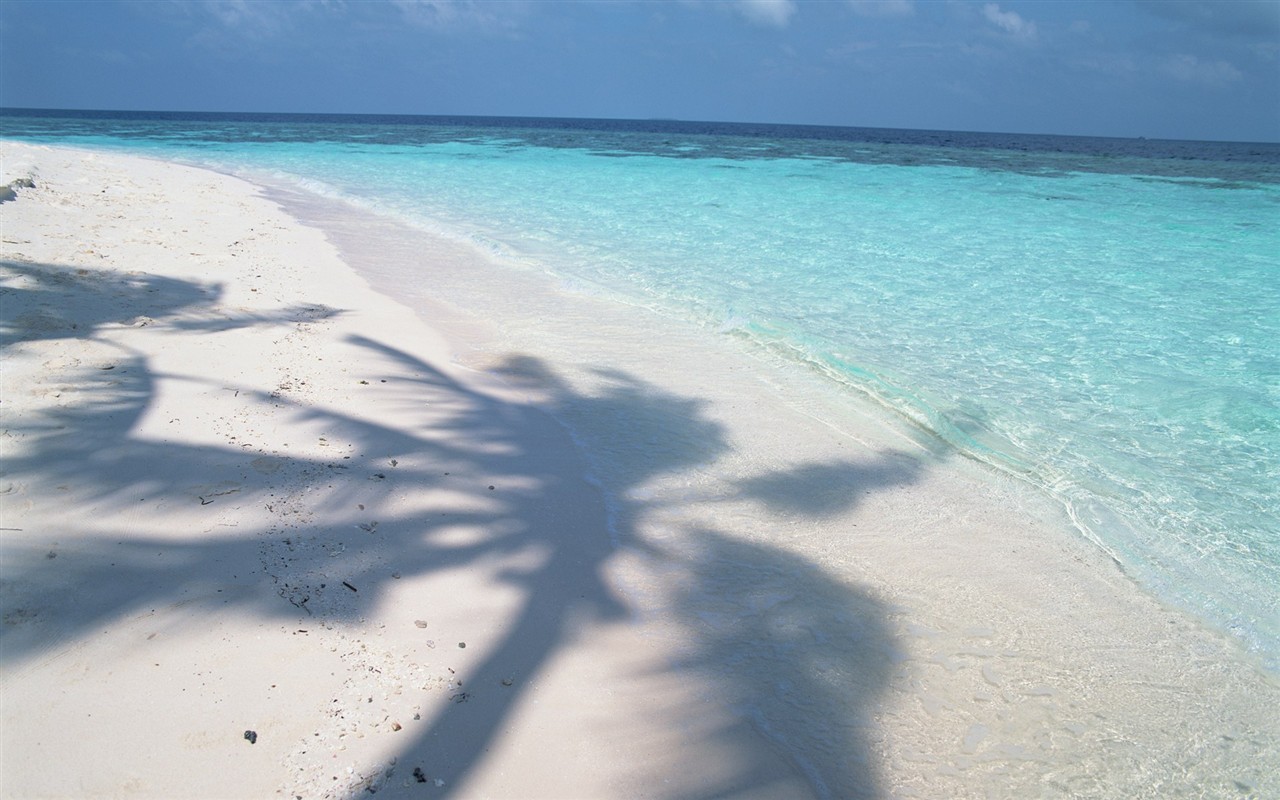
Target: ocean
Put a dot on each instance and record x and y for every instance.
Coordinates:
(1098, 318)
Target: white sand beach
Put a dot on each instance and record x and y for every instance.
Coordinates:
(300, 502)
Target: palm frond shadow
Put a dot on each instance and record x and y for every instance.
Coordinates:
(754, 613)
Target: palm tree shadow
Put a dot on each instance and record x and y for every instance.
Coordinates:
(800, 653)
(47, 301)
(827, 488)
(800, 657)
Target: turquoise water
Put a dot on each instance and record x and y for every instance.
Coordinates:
(1098, 317)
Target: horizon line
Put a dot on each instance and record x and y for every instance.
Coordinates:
(815, 125)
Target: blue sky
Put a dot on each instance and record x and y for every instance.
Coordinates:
(1158, 68)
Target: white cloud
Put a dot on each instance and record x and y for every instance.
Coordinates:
(850, 50)
(232, 28)
(1010, 22)
(266, 18)
(244, 19)
(883, 8)
(1194, 70)
(1113, 64)
(455, 13)
(771, 13)
(252, 18)
(428, 13)
(1252, 19)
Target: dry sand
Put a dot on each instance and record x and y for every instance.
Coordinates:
(243, 491)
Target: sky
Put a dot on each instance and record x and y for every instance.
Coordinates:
(1157, 68)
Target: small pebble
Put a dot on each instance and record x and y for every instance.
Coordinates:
(462, 644)
(251, 737)
(507, 681)
(421, 623)
(417, 773)
(395, 726)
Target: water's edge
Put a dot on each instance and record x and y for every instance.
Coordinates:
(478, 338)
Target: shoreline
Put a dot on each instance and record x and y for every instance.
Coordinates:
(698, 582)
(1159, 543)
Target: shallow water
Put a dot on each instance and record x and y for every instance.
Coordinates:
(1099, 317)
